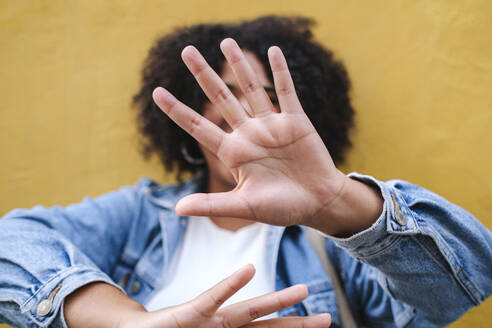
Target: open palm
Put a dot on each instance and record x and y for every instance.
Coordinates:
(283, 171)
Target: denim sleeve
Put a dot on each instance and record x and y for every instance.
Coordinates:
(46, 253)
(432, 258)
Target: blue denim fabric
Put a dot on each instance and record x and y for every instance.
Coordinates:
(423, 263)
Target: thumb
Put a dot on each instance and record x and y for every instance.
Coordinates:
(225, 204)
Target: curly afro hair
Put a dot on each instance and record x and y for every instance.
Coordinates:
(321, 83)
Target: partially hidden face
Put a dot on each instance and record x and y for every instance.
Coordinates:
(218, 172)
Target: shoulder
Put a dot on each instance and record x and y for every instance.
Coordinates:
(168, 195)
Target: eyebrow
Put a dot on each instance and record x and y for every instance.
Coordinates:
(267, 88)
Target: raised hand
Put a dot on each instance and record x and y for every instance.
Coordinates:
(284, 172)
(204, 310)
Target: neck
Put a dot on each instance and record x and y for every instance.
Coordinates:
(227, 223)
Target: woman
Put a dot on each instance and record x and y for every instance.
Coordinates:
(405, 256)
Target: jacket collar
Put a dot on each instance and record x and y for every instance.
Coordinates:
(166, 196)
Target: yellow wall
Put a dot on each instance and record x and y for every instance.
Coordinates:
(421, 71)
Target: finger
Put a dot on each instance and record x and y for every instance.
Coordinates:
(314, 321)
(224, 204)
(244, 312)
(213, 86)
(204, 131)
(284, 86)
(209, 302)
(247, 79)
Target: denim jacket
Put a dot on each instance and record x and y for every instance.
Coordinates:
(423, 263)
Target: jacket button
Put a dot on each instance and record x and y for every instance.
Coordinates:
(398, 214)
(44, 307)
(135, 287)
(400, 218)
(124, 280)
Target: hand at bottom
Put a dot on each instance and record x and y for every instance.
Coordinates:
(204, 311)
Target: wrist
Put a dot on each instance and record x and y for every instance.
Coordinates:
(132, 315)
(354, 209)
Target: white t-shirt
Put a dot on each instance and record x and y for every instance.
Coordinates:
(206, 255)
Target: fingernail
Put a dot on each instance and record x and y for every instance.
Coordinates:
(157, 91)
(324, 318)
(244, 268)
(163, 98)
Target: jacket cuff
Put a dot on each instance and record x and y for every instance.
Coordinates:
(395, 220)
(44, 307)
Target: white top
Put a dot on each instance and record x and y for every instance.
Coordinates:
(206, 255)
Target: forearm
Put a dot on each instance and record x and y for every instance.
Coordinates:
(424, 245)
(99, 305)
